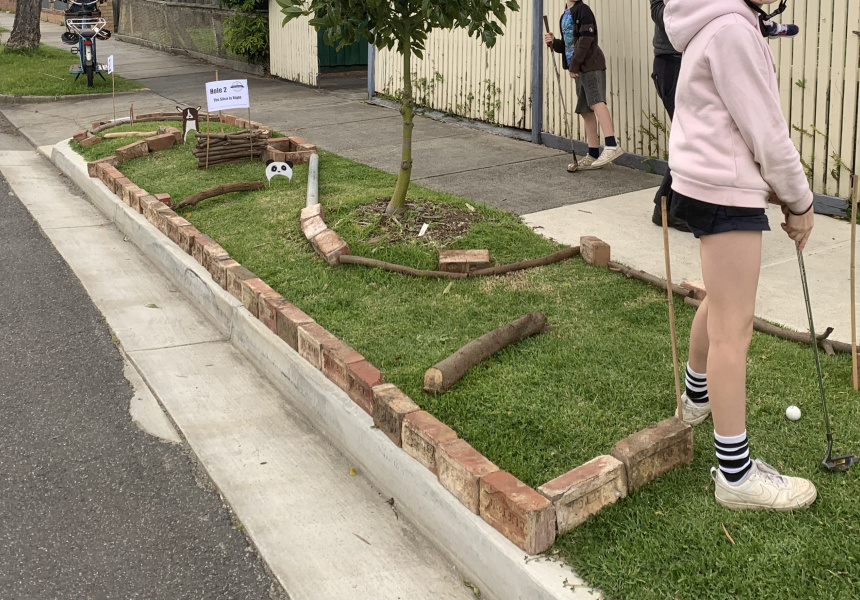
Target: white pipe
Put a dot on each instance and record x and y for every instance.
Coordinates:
(313, 180)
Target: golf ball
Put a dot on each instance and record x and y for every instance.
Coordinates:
(792, 413)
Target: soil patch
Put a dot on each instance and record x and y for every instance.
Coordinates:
(445, 223)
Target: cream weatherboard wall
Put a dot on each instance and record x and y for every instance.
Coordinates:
(817, 72)
(292, 48)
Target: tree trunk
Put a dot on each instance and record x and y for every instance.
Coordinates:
(397, 204)
(25, 32)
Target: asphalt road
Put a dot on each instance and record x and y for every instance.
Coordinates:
(90, 505)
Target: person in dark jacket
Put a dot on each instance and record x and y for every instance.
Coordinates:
(667, 67)
(584, 61)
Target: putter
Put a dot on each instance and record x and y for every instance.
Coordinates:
(831, 463)
(567, 129)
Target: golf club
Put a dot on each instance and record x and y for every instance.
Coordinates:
(567, 130)
(831, 463)
(663, 202)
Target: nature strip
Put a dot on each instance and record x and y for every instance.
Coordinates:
(829, 346)
(499, 270)
(225, 188)
(441, 376)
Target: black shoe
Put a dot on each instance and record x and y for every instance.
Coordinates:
(674, 222)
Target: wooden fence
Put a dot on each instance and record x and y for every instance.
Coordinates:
(293, 51)
(817, 71)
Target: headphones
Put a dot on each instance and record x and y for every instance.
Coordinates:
(763, 16)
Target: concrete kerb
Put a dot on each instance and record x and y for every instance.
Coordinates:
(486, 557)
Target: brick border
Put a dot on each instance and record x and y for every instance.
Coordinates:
(530, 519)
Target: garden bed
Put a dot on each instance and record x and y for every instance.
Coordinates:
(556, 400)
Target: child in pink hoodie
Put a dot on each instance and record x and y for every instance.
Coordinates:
(729, 152)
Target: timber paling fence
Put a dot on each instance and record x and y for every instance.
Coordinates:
(513, 83)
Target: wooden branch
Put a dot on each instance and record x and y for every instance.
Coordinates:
(528, 264)
(441, 376)
(122, 134)
(828, 345)
(648, 278)
(226, 188)
(372, 262)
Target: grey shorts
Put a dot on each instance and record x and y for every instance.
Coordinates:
(590, 90)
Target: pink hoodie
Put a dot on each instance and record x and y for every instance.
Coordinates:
(730, 143)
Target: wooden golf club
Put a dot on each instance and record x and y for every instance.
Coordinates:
(671, 307)
(854, 378)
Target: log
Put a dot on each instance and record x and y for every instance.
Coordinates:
(441, 376)
(527, 264)
(372, 262)
(110, 136)
(648, 278)
(829, 346)
(226, 188)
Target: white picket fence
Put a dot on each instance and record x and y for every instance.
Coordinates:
(818, 73)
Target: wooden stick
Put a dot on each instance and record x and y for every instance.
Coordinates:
(207, 141)
(113, 95)
(372, 262)
(441, 376)
(122, 134)
(648, 278)
(250, 127)
(220, 122)
(226, 188)
(855, 380)
(671, 307)
(528, 264)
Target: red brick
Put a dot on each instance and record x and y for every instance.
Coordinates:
(363, 377)
(212, 253)
(94, 167)
(651, 452)
(251, 291)
(329, 245)
(313, 226)
(236, 274)
(91, 140)
(120, 184)
(422, 433)
(335, 360)
(290, 318)
(697, 286)
(594, 250)
(390, 406)
(160, 142)
(309, 212)
(113, 179)
(148, 208)
(463, 261)
(283, 144)
(165, 214)
(517, 512)
(164, 199)
(296, 140)
(186, 236)
(229, 119)
(80, 135)
(219, 267)
(135, 197)
(460, 469)
(97, 124)
(582, 492)
(312, 338)
(267, 311)
(175, 225)
(200, 242)
(131, 151)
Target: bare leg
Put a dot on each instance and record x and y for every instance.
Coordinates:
(730, 266)
(601, 111)
(591, 130)
(699, 342)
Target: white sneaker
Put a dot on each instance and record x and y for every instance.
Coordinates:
(608, 155)
(764, 487)
(586, 163)
(693, 413)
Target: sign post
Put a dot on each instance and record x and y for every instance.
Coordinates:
(112, 86)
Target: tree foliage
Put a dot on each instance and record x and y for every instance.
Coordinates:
(402, 25)
(247, 32)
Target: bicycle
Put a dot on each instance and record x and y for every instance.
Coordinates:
(84, 24)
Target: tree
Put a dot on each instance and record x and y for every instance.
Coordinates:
(404, 25)
(25, 32)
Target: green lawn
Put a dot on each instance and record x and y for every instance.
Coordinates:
(45, 72)
(554, 401)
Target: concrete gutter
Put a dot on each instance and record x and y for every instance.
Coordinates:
(487, 559)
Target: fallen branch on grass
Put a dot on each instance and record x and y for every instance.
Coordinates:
(441, 376)
(225, 188)
(829, 346)
(372, 262)
(648, 278)
(122, 134)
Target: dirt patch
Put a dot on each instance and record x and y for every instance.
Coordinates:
(445, 223)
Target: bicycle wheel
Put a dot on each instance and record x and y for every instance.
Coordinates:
(90, 70)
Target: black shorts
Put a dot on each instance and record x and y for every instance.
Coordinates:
(705, 218)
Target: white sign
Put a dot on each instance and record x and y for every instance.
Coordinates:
(227, 94)
(110, 63)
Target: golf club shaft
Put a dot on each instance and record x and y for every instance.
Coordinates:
(672, 333)
(814, 340)
(567, 130)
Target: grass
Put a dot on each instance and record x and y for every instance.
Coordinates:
(45, 72)
(551, 402)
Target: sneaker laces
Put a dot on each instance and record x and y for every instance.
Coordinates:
(768, 473)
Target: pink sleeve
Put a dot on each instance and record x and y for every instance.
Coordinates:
(743, 75)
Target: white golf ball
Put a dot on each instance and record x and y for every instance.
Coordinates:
(792, 413)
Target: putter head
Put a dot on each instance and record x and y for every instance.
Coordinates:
(837, 463)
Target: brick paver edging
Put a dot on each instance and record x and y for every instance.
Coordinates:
(530, 519)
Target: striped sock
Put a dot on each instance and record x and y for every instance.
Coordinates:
(696, 385)
(733, 454)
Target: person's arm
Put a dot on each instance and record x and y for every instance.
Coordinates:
(657, 8)
(742, 76)
(558, 45)
(585, 34)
